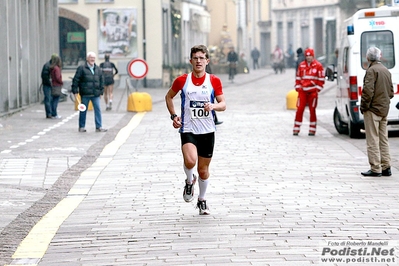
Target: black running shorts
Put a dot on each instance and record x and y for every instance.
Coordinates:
(203, 142)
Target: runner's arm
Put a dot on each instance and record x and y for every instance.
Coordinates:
(169, 101)
(221, 103)
(219, 106)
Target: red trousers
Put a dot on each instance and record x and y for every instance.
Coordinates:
(309, 99)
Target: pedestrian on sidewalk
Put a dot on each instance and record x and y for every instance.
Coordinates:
(309, 82)
(255, 54)
(46, 83)
(290, 57)
(196, 124)
(278, 60)
(56, 83)
(374, 105)
(232, 59)
(88, 82)
(108, 68)
(300, 57)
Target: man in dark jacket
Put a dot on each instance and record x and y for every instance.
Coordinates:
(300, 57)
(232, 59)
(88, 82)
(46, 82)
(255, 54)
(374, 105)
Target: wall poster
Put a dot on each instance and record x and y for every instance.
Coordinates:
(117, 32)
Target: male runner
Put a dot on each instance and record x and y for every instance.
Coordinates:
(198, 90)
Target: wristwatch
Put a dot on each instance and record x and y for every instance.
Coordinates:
(173, 116)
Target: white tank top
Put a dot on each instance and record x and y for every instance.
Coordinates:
(194, 118)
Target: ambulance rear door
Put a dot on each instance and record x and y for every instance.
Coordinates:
(381, 31)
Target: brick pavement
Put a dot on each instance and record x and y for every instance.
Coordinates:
(274, 198)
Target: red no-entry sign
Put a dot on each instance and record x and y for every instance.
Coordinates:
(137, 68)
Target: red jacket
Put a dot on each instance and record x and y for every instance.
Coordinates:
(56, 77)
(309, 77)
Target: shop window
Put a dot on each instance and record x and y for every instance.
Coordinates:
(72, 43)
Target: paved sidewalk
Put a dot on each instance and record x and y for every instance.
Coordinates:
(42, 158)
(275, 199)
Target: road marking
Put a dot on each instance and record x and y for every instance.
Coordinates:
(32, 249)
(41, 133)
(36, 242)
(12, 203)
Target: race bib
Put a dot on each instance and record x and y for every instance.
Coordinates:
(197, 110)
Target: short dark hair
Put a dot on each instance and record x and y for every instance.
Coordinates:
(199, 48)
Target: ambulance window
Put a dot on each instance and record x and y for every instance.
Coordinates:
(382, 40)
(345, 62)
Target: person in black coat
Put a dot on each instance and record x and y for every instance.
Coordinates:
(88, 82)
(300, 57)
(46, 83)
(232, 59)
(255, 54)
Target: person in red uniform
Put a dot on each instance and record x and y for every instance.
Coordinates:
(309, 82)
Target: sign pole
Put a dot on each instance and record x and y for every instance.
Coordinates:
(137, 70)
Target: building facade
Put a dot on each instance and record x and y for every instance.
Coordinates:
(243, 24)
(28, 37)
(125, 29)
(160, 32)
(314, 23)
(310, 23)
(186, 23)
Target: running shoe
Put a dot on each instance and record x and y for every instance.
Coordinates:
(203, 208)
(188, 192)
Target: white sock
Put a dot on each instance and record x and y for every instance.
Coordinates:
(203, 185)
(189, 174)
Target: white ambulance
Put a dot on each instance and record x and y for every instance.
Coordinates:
(377, 27)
